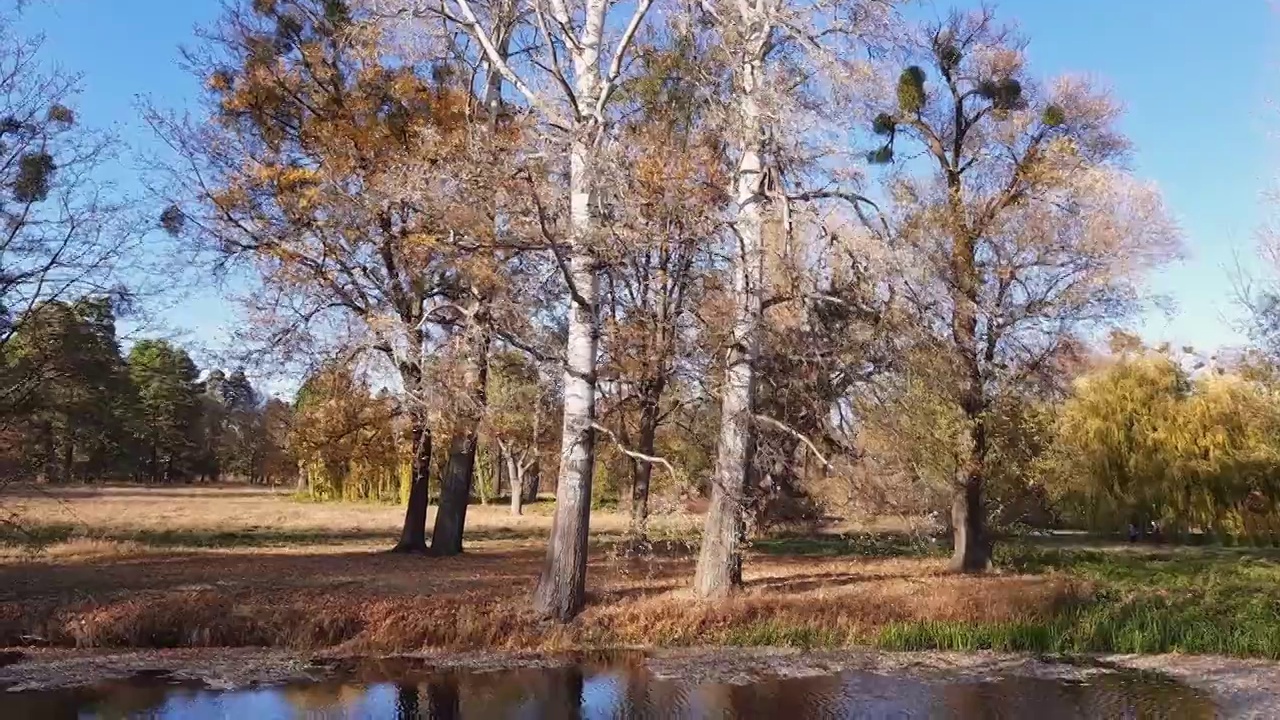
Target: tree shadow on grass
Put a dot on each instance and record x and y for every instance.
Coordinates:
(866, 545)
(805, 583)
(368, 572)
(37, 536)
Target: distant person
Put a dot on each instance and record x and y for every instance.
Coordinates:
(1133, 533)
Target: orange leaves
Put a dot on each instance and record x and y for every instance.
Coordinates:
(220, 81)
(229, 199)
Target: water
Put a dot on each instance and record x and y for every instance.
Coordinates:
(625, 692)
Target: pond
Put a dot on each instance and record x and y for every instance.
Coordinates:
(626, 692)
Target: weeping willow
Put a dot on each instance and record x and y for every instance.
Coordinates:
(348, 442)
(357, 479)
(1140, 442)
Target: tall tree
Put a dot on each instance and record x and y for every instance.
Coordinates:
(669, 189)
(298, 171)
(166, 381)
(769, 46)
(569, 100)
(1026, 230)
(344, 438)
(81, 407)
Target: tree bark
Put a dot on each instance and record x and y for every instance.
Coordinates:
(641, 470)
(413, 537)
(719, 568)
(455, 490)
(455, 495)
(530, 479)
(971, 547)
(561, 590)
(516, 478)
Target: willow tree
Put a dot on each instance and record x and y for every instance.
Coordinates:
(344, 438)
(1025, 228)
(1139, 441)
(1110, 456)
(296, 172)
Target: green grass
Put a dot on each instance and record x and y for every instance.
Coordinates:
(1189, 600)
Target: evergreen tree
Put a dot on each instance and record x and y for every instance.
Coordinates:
(169, 407)
(75, 421)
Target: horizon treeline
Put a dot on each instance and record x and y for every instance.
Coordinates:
(90, 413)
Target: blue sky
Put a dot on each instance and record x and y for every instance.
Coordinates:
(1193, 74)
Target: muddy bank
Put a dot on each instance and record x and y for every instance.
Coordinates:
(1241, 688)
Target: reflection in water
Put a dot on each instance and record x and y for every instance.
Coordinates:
(625, 693)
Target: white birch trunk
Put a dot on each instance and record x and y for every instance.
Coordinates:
(719, 567)
(561, 590)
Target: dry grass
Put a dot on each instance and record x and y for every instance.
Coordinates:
(180, 567)
(240, 516)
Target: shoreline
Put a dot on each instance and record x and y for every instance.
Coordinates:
(1240, 687)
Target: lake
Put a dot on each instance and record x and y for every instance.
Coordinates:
(628, 691)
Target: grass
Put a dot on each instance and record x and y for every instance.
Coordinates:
(208, 566)
(1188, 600)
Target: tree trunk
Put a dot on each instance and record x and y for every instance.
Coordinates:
(531, 474)
(719, 568)
(496, 476)
(413, 537)
(561, 589)
(642, 471)
(971, 547)
(70, 459)
(455, 495)
(530, 480)
(516, 478)
(455, 491)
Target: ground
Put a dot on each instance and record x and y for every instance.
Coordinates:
(167, 567)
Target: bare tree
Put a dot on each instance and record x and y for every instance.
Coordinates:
(668, 188)
(775, 49)
(1025, 231)
(67, 232)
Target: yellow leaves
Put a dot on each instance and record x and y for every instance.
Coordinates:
(1137, 435)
